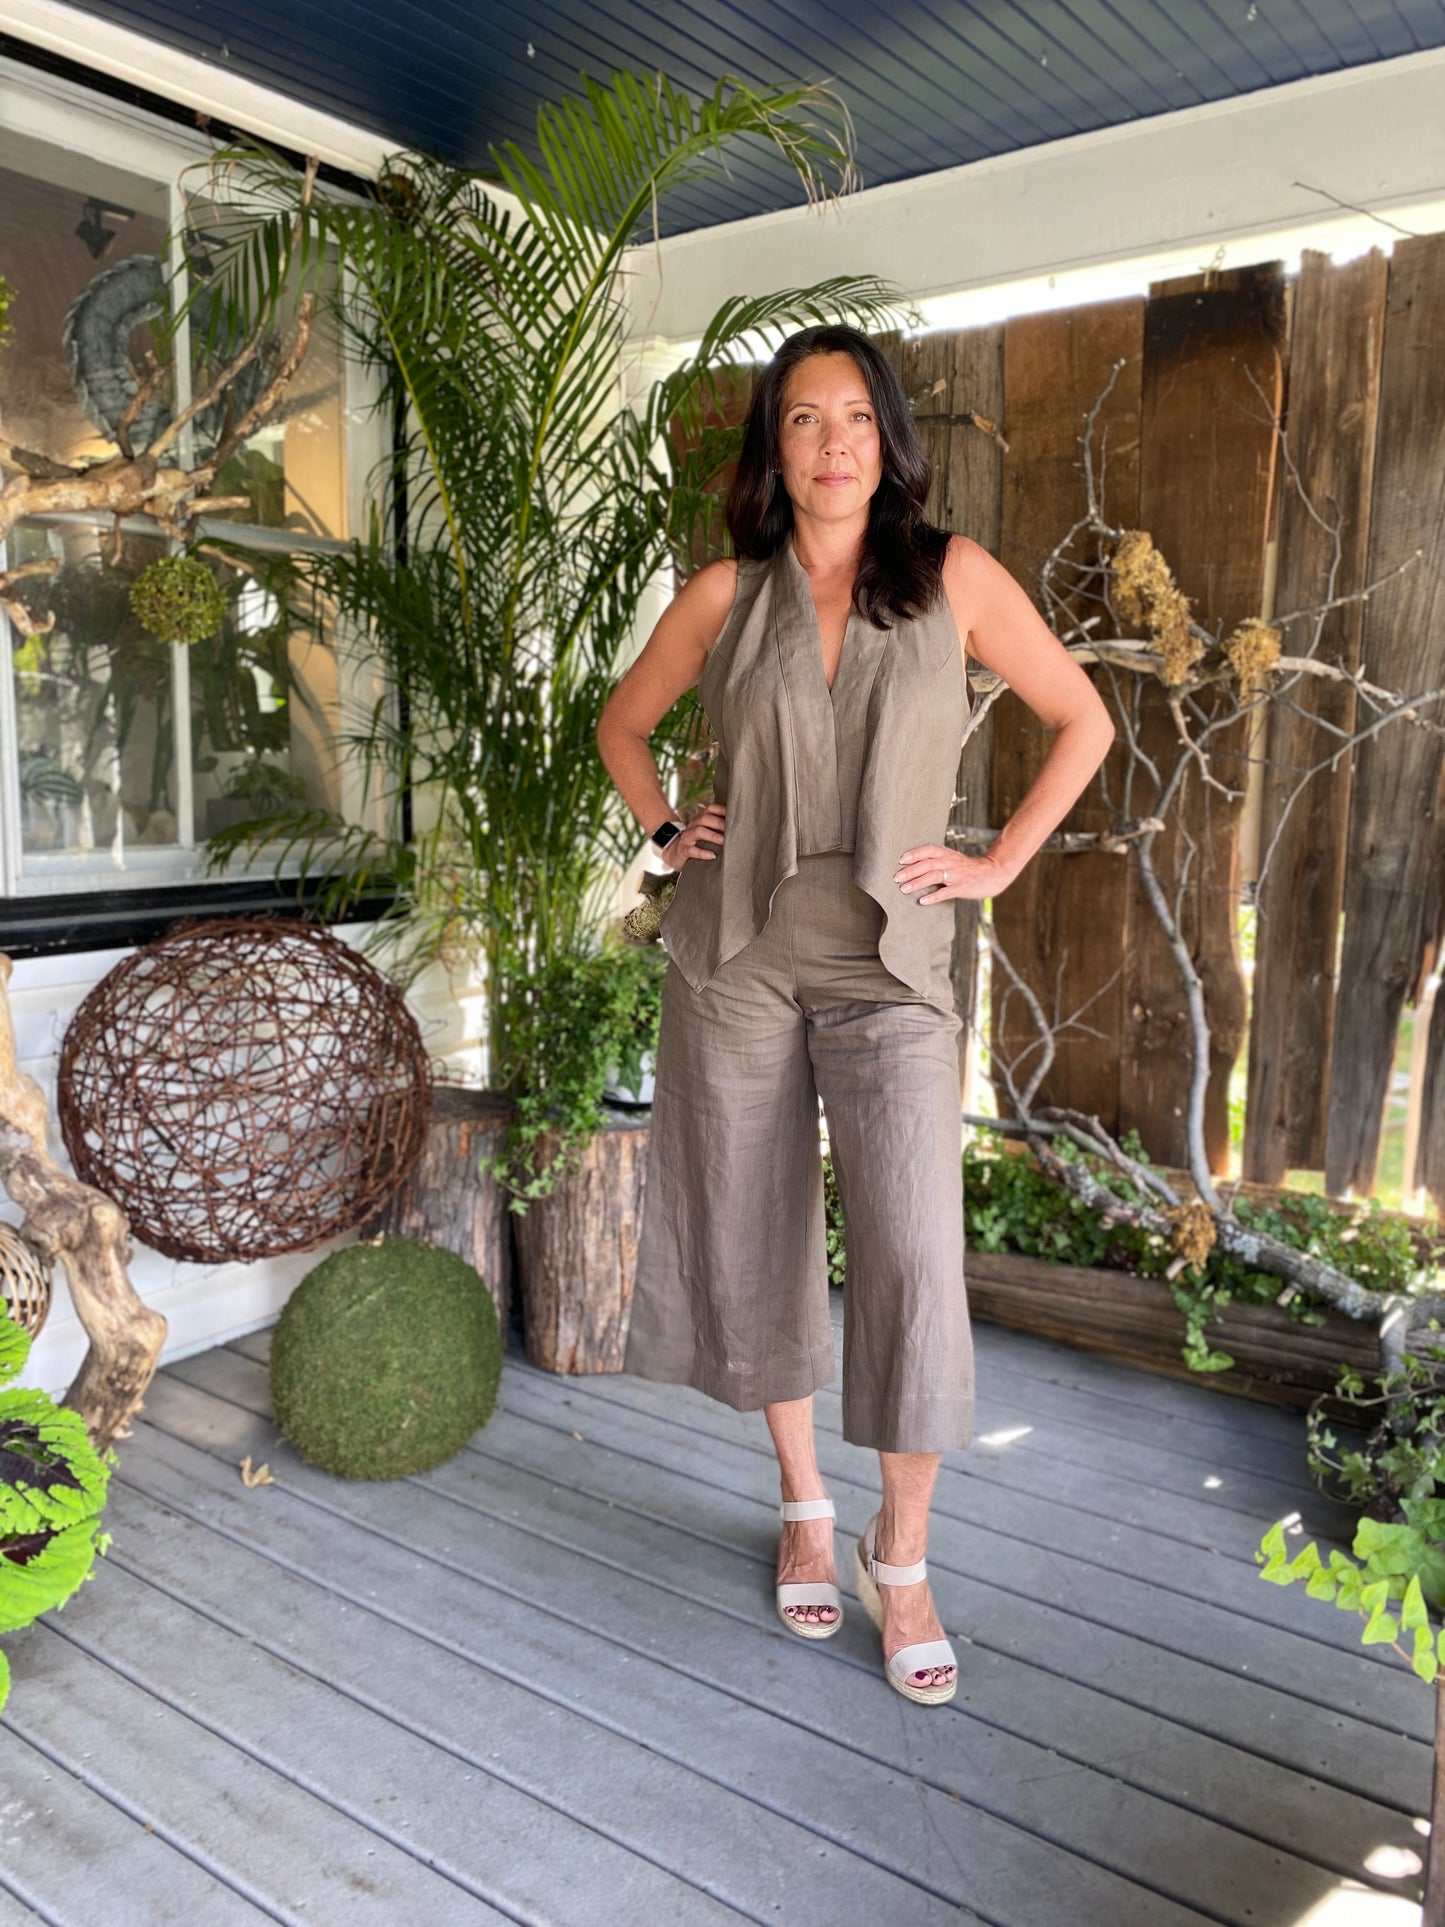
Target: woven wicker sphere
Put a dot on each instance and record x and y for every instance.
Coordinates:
(243, 1088)
(24, 1281)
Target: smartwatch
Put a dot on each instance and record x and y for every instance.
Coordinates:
(665, 833)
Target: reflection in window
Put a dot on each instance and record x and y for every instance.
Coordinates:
(123, 752)
(94, 706)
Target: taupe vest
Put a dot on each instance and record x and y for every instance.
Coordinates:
(869, 767)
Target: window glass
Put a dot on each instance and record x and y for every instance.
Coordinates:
(80, 246)
(94, 707)
(264, 700)
(121, 753)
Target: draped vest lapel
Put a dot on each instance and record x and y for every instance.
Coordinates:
(869, 768)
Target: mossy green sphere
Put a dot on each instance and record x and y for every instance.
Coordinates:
(386, 1359)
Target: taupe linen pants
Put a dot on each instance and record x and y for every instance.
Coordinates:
(731, 1293)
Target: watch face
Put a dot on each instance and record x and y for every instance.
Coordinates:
(664, 834)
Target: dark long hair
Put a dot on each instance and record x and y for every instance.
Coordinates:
(901, 573)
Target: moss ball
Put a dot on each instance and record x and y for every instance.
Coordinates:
(386, 1359)
(177, 599)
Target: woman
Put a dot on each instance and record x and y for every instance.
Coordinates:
(809, 939)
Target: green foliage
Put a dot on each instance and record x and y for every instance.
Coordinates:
(7, 296)
(265, 784)
(588, 1019)
(1399, 1454)
(178, 599)
(52, 1491)
(1012, 1204)
(386, 1359)
(1396, 1575)
(535, 513)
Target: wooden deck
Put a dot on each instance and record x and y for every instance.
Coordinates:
(545, 1683)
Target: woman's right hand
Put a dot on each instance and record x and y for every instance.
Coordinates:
(706, 827)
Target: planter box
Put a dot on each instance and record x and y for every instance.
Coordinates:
(1278, 1360)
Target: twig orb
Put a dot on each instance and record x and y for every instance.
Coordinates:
(24, 1281)
(243, 1088)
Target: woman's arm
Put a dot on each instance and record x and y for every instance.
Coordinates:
(670, 663)
(1002, 629)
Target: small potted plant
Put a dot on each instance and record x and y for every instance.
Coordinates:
(573, 1167)
(1394, 1574)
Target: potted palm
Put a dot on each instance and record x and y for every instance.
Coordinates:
(525, 512)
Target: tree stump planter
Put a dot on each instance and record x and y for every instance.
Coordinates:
(447, 1202)
(1278, 1360)
(577, 1254)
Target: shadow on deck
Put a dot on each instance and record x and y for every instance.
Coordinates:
(545, 1683)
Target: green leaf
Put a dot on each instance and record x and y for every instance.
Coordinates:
(1381, 1630)
(1413, 1614)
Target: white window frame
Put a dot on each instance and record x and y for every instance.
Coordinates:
(65, 114)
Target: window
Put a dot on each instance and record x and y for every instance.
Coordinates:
(121, 753)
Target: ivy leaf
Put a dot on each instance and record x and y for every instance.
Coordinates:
(1413, 1616)
(1382, 1630)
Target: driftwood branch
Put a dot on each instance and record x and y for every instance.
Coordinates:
(80, 1227)
(1187, 660)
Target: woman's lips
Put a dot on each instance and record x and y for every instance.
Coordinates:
(833, 481)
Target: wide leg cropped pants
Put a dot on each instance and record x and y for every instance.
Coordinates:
(731, 1293)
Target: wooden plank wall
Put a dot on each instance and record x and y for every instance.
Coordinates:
(1324, 515)
(1209, 366)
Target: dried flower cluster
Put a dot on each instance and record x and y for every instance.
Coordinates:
(1192, 1231)
(1144, 591)
(1251, 651)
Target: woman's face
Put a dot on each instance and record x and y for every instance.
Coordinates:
(829, 447)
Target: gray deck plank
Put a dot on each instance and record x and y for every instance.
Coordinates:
(1102, 1814)
(1013, 1878)
(1175, 1566)
(435, 1678)
(1109, 1382)
(1058, 1615)
(1228, 1433)
(74, 1859)
(292, 1854)
(1083, 1570)
(404, 1788)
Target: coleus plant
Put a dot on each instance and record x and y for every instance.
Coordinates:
(52, 1492)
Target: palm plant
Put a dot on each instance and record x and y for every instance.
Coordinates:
(527, 505)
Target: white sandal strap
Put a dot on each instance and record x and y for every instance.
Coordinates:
(917, 1659)
(816, 1592)
(898, 1575)
(807, 1509)
(890, 1575)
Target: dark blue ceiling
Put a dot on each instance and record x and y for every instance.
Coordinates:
(929, 83)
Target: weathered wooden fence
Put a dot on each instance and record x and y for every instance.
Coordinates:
(1352, 903)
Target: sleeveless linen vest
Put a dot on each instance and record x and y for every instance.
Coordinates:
(869, 767)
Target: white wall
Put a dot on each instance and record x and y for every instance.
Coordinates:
(204, 1304)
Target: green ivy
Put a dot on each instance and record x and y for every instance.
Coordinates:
(589, 1020)
(1012, 1204)
(1396, 1574)
(52, 1491)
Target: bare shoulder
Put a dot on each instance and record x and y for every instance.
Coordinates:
(967, 568)
(713, 585)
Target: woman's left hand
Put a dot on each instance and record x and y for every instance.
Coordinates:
(944, 874)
